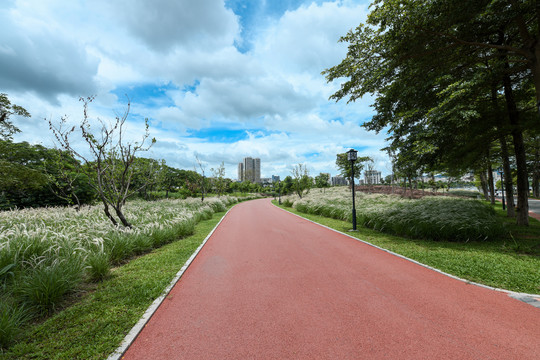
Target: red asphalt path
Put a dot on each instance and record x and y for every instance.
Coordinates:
(271, 285)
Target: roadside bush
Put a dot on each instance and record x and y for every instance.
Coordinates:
(436, 218)
(43, 288)
(466, 193)
(287, 202)
(98, 266)
(12, 319)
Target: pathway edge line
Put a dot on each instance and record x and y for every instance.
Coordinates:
(135, 330)
(531, 299)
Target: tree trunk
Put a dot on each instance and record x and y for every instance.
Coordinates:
(122, 218)
(490, 183)
(535, 185)
(483, 184)
(522, 179)
(535, 67)
(508, 186)
(536, 171)
(519, 150)
(107, 213)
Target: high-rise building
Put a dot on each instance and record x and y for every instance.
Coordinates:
(241, 172)
(257, 170)
(250, 170)
(372, 177)
(338, 181)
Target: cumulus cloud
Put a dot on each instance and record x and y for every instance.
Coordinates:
(306, 39)
(244, 100)
(163, 24)
(43, 61)
(270, 87)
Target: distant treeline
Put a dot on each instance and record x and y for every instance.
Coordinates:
(37, 176)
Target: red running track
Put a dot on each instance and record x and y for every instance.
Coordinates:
(271, 285)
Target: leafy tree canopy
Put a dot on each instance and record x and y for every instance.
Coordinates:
(7, 129)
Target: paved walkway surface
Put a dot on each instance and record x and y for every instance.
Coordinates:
(270, 285)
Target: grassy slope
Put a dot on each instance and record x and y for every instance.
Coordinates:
(94, 327)
(512, 264)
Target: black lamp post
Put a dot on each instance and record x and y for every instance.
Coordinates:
(502, 188)
(352, 156)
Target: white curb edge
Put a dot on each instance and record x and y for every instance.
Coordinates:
(134, 332)
(531, 299)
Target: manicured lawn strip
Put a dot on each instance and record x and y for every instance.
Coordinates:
(505, 263)
(94, 327)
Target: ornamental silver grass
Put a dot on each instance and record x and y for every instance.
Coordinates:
(59, 232)
(437, 218)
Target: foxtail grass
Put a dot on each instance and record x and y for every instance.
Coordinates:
(435, 218)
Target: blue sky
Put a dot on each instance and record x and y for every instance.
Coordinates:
(220, 80)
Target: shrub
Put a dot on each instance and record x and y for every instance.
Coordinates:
(98, 266)
(12, 318)
(287, 202)
(466, 193)
(119, 246)
(44, 287)
(6, 273)
(436, 218)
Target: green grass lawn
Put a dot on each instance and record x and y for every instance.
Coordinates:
(511, 263)
(100, 317)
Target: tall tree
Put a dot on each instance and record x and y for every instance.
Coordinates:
(322, 180)
(301, 180)
(344, 165)
(170, 180)
(7, 129)
(219, 178)
(418, 56)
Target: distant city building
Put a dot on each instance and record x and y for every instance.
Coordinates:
(437, 177)
(275, 178)
(372, 177)
(250, 170)
(241, 172)
(338, 181)
(266, 181)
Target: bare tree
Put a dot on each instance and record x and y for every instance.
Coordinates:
(219, 178)
(110, 161)
(203, 180)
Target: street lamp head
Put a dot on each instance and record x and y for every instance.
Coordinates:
(352, 155)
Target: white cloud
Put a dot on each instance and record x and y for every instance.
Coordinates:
(78, 48)
(164, 25)
(39, 59)
(306, 40)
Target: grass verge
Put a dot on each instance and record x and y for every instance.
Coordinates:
(510, 263)
(95, 325)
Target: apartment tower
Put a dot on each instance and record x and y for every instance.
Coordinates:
(250, 170)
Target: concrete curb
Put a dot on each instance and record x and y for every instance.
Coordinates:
(531, 299)
(134, 332)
